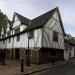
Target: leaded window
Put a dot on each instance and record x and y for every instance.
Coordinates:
(9, 33)
(17, 30)
(31, 34)
(55, 36)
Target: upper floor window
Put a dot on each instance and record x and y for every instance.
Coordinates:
(55, 36)
(31, 34)
(9, 33)
(17, 30)
(3, 36)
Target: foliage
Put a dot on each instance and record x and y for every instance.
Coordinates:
(3, 20)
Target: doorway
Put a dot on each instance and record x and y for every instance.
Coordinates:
(17, 53)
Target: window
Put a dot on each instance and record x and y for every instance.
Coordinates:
(17, 30)
(55, 36)
(3, 36)
(9, 33)
(9, 40)
(18, 37)
(31, 34)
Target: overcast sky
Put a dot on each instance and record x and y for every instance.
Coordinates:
(34, 8)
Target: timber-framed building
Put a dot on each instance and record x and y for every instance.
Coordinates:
(46, 40)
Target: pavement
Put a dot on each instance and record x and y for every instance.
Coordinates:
(12, 67)
(68, 69)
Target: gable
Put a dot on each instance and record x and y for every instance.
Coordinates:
(8, 27)
(49, 16)
(58, 22)
(55, 23)
(53, 32)
(17, 22)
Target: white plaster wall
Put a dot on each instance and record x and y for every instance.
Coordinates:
(16, 22)
(53, 25)
(69, 53)
(9, 45)
(2, 45)
(66, 55)
(35, 42)
(8, 27)
(72, 52)
(22, 27)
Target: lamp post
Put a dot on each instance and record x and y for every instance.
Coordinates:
(28, 51)
(3, 57)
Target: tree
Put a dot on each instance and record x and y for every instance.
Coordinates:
(3, 20)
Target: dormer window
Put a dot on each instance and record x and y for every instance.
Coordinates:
(31, 34)
(17, 30)
(3, 36)
(9, 33)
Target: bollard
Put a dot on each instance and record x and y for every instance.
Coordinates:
(22, 65)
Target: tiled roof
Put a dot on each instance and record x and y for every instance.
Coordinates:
(38, 21)
(23, 19)
(41, 20)
(72, 41)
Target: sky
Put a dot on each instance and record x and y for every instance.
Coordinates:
(34, 8)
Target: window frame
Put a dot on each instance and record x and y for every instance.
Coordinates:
(31, 34)
(9, 33)
(17, 30)
(55, 36)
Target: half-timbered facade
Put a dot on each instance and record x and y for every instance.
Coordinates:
(46, 40)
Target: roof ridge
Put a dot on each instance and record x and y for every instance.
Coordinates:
(21, 15)
(23, 19)
(45, 13)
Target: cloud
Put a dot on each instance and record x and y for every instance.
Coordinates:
(34, 8)
(27, 8)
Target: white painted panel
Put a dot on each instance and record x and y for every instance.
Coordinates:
(35, 42)
(8, 27)
(9, 45)
(56, 16)
(2, 45)
(47, 38)
(66, 55)
(38, 37)
(51, 26)
(16, 22)
(23, 27)
(72, 52)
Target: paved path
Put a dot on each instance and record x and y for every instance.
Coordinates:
(12, 67)
(68, 69)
